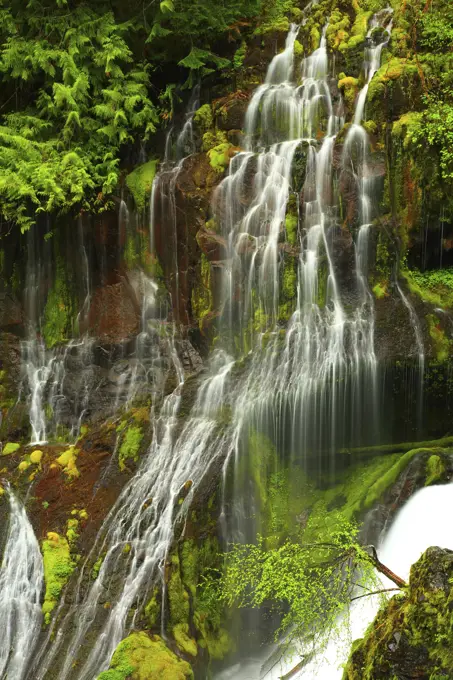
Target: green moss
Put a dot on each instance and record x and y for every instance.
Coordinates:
(140, 181)
(298, 49)
(67, 460)
(202, 300)
(434, 287)
(141, 657)
(178, 597)
(57, 321)
(435, 469)
(130, 445)
(291, 225)
(97, 568)
(413, 630)
(392, 70)
(203, 117)
(153, 609)
(337, 31)
(239, 55)
(10, 448)
(380, 290)
(213, 138)
(184, 642)
(349, 87)
(440, 341)
(219, 156)
(58, 567)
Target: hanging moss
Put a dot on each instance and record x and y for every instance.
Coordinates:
(143, 657)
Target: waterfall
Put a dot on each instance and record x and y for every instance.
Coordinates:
(21, 582)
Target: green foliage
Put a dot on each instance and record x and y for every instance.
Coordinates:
(76, 90)
(434, 286)
(309, 585)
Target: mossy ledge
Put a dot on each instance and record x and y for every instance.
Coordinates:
(141, 657)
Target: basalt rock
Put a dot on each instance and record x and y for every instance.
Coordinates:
(411, 636)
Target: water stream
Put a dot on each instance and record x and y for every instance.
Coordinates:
(21, 584)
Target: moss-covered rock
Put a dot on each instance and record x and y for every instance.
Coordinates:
(411, 636)
(141, 657)
(140, 181)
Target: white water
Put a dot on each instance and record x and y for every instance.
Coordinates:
(21, 583)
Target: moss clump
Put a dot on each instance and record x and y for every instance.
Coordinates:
(298, 49)
(67, 460)
(219, 156)
(392, 70)
(10, 448)
(380, 290)
(36, 457)
(58, 567)
(140, 181)
(213, 138)
(130, 446)
(184, 642)
(203, 117)
(141, 657)
(435, 469)
(349, 86)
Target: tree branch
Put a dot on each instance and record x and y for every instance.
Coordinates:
(371, 550)
(375, 592)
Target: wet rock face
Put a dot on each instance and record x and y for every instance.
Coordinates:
(11, 313)
(411, 636)
(114, 313)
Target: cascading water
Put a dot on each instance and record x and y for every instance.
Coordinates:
(144, 519)
(21, 583)
(310, 388)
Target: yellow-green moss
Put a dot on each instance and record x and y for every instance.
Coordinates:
(435, 469)
(67, 460)
(140, 182)
(58, 567)
(184, 642)
(36, 457)
(10, 448)
(349, 87)
(380, 290)
(130, 446)
(219, 156)
(141, 657)
(203, 117)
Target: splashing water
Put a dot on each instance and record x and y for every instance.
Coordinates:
(21, 583)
